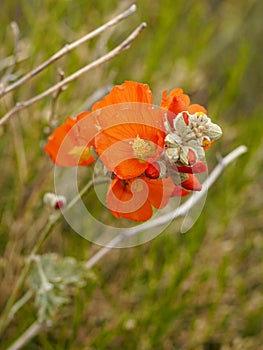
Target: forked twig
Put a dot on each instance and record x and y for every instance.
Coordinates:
(108, 56)
(69, 47)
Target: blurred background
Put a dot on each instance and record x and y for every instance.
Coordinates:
(200, 290)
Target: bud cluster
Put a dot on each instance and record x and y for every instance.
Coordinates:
(188, 136)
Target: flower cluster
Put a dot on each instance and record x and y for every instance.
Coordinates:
(150, 153)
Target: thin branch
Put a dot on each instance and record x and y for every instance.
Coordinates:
(55, 97)
(67, 48)
(21, 302)
(178, 212)
(108, 56)
(9, 73)
(30, 333)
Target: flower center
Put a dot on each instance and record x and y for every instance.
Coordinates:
(137, 186)
(143, 148)
(80, 153)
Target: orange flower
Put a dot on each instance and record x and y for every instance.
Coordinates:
(135, 143)
(177, 102)
(132, 133)
(128, 148)
(133, 199)
(67, 147)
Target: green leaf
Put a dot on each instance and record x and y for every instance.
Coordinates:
(53, 279)
(49, 303)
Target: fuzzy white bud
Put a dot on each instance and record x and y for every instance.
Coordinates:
(54, 201)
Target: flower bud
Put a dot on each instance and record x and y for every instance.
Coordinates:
(54, 201)
(214, 131)
(153, 171)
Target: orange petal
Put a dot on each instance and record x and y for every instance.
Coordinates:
(139, 114)
(133, 199)
(141, 215)
(160, 191)
(130, 168)
(122, 202)
(87, 127)
(129, 91)
(66, 148)
(196, 108)
(176, 101)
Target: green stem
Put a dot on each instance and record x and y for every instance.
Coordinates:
(20, 303)
(7, 315)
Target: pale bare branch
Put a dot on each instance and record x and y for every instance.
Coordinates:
(55, 96)
(178, 212)
(20, 303)
(30, 333)
(69, 47)
(108, 56)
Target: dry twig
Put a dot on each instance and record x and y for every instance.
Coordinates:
(55, 97)
(30, 333)
(67, 48)
(108, 56)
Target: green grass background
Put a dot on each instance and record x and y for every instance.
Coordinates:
(201, 290)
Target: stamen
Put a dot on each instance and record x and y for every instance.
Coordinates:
(143, 148)
(80, 153)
